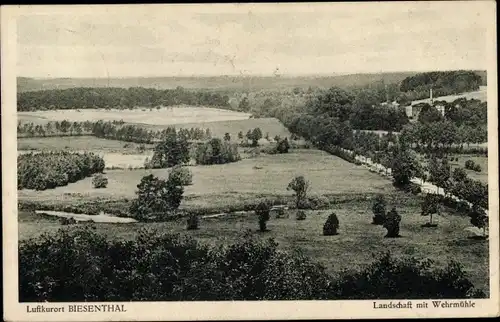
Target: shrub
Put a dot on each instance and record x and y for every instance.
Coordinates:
(99, 181)
(193, 222)
(378, 209)
(331, 225)
(181, 174)
(67, 221)
(283, 146)
(262, 210)
(391, 223)
(317, 202)
(301, 215)
(469, 164)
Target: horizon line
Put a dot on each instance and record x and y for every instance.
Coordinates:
(290, 75)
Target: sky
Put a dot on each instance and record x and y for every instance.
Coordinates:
(259, 39)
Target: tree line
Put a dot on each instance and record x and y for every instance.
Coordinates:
(47, 170)
(114, 97)
(116, 130)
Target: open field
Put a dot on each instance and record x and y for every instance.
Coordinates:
(262, 175)
(481, 94)
(351, 249)
(218, 128)
(77, 143)
(162, 116)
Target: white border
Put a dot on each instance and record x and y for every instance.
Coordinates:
(156, 311)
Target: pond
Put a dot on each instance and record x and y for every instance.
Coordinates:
(101, 218)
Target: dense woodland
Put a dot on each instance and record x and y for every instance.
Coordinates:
(114, 97)
(48, 170)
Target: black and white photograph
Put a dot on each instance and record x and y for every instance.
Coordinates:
(284, 160)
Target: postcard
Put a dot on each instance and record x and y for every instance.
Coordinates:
(250, 161)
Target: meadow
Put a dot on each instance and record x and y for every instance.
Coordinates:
(269, 125)
(354, 247)
(264, 175)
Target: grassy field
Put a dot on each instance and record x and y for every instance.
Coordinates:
(481, 94)
(164, 116)
(352, 248)
(235, 182)
(77, 143)
(268, 125)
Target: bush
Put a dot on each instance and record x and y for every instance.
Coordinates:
(301, 215)
(331, 225)
(181, 174)
(469, 164)
(67, 221)
(262, 211)
(391, 223)
(317, 202)
(193, 222)
(378, 209)
(99, 181)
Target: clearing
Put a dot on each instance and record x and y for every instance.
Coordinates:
(162, 116)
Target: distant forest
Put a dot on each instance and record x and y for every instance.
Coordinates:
(114, 97)
(402, 87)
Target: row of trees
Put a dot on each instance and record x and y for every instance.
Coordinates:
(113, 97)
(116, 130)
(48, 170)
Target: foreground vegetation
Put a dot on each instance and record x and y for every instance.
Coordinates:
(163, 267)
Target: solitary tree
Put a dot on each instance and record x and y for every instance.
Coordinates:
(283, 146)
(240, 135)
(156, 198)
(378, 210)
(300, 186)
(256, 136)
(331, 225)
(404, 167)
(227, 137)
(391, 223)
(430, 206)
